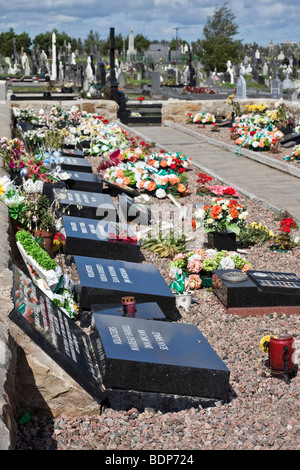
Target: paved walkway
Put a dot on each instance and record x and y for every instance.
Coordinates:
(274, 188)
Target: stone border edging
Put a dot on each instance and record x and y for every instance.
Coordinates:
(263, 159)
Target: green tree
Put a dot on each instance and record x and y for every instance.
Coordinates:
(218, 45)
(7, 40)
(141, 43)
(44, 40)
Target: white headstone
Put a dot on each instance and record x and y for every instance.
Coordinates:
(241, 87)
(53, 67)
(131, 50)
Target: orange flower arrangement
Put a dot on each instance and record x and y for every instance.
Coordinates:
(216, 211)
(151, 186)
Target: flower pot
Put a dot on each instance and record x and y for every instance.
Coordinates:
(206, 278)
(277, 249)
(223, 240)
(184, 300)
(47, 238)
(15, 176)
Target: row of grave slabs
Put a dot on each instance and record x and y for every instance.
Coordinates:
(136, 357)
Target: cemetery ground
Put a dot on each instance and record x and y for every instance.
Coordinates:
(261, 411)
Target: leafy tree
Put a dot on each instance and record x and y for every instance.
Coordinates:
(218, 45)
(141, 43)
(44, 40)
(7, 40)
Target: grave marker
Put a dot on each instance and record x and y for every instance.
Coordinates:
(76, 164)
(55, 333)
(107, 281)
(96, 238)
(258, 293)
(85, 204)
(154, 356)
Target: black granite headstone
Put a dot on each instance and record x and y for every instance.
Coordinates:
(76, 164)
(85, 204)
(146, 311)
(130, 211)
(152, 356)
(55, 333)
(72, 152)
(83, 181)
(97, 238)
(107, 281)
(266, 291)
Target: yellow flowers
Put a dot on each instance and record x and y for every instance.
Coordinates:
(259, 226)
(264, 343)
(257, 108)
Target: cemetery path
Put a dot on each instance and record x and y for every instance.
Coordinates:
(274, 188)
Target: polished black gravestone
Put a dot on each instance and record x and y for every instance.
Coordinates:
(154, 356)
(222, 240)
(257, 292)
(107, 281)
(85, 204)
(55, 333)
(76, 164)
(97, 238)
(82, 181)
(146, 311)
(130, 211)
(72, 153)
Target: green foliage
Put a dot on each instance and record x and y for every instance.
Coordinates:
(6, 42)
(35, 251)
(218, 45)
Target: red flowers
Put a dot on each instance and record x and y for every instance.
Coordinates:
(203, 178)
(287, 224)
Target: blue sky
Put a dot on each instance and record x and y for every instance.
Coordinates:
(258, 21)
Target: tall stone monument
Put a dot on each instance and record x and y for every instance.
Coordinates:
(131, 51)
(53, 66)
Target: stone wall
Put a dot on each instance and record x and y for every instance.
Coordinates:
(106, 108)
(177, 111)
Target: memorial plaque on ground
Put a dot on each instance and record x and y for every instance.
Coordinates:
(154, 356)
(55, 333)
(129, 211)
(83, 181)
(258, 294)
(107, 281)
(72, 153)
(97, 238)
(76, 164)
(276, 282)
(146, 311)
(85, 204)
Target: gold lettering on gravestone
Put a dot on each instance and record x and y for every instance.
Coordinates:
(279, 284)
(279, 276)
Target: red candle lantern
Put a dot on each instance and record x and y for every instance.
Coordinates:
(280, 353)
(128, 306)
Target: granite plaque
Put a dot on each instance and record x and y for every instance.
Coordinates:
(76, 164)
(82, 181)
(249, 294)
(107, 281)
(276, 282)
(97, 238)
(72, 153)
(129, 211)
(87, 205)
(154, 356)
(55, 333)
(146, 311)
